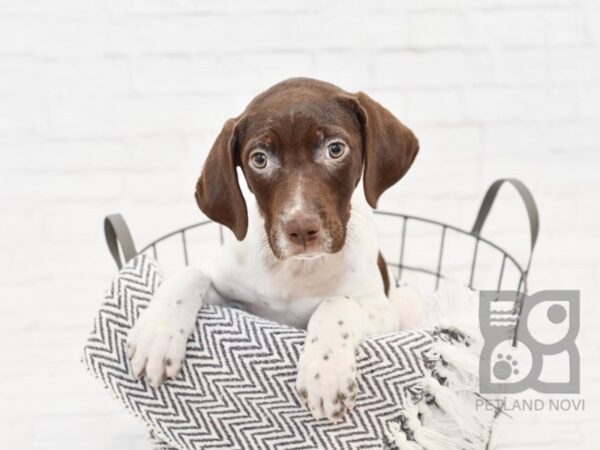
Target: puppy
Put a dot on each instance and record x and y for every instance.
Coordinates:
(306, 253)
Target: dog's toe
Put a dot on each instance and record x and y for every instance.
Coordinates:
(156, 350)
(327, 385)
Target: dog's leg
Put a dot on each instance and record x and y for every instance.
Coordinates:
(327, 368)
(156, 343)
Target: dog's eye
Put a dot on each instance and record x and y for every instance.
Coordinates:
(259, 159)
(336, 149)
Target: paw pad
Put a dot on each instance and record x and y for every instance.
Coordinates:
(505, 366)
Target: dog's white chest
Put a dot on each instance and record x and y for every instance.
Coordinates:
(286, 293)
(247, 274)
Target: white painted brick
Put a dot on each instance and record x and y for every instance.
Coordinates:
(81, 117)
(455, 144)
(435, 67)
(23, 35)
(592, 13)
(157, 153)
(67, 154)
(81, 35)
(259, 71)
(521, 103)
(22, 75)
(17, 187)
(510, 27)
(511, 139)
(347, 69)
(438, 29)
(565, 26)
(170, 73)
(80, 76)
(563, 137)
(170, 113)
(316, 31)
(22, 114)
(156, 35)
(590, 102)
(574, 64)
(435, 106)
(521, 66)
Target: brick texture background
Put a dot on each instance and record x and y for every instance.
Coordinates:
(111, 106)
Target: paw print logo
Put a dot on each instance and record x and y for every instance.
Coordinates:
(547, 327)
(509, 365)
(505, 367)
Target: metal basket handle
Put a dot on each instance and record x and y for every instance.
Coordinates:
(530, 206)
(118, 235)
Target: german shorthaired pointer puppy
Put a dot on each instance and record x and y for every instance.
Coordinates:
(306, 252)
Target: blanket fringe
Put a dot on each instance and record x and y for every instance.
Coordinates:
(398, 436)
(453, 405)
(461, 360)
(427, 437)
(445, 418)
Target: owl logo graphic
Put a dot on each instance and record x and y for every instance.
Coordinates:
(547, 330)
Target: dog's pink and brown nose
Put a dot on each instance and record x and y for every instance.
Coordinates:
(303, 229)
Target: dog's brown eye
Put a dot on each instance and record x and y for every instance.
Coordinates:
(259, 159)
(336, 149)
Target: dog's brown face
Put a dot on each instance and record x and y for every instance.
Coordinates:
(303, 146)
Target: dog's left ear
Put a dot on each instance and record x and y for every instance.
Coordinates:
(389, 147)
(218, 192)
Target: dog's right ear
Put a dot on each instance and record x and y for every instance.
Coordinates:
(218, 192)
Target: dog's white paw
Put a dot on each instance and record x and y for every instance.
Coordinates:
(326, 380)
(156, 346)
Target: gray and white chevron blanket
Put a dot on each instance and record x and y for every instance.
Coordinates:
(417, 390)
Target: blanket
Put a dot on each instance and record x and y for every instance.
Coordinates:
(417, 389)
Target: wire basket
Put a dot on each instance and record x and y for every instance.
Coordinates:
(122, 247)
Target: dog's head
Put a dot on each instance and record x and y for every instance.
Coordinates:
(303, 145)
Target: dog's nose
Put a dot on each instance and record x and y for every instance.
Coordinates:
(302, 229)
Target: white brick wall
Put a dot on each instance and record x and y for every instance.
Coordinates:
(111, 106)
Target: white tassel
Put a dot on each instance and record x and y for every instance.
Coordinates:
(461, 360)
(472, 335)
(457, 408)
(399, 437)
(428, 438)
(455, 381)
(433, 417)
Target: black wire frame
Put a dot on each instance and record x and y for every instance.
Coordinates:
(400, 265)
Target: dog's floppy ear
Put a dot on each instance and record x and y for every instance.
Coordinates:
(389, 147)
(218, 192)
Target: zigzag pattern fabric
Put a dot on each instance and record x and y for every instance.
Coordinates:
(236, 389)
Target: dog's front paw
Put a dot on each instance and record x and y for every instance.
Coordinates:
(156, 346)
(326, 380)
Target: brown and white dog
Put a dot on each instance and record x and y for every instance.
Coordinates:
(307, 253)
